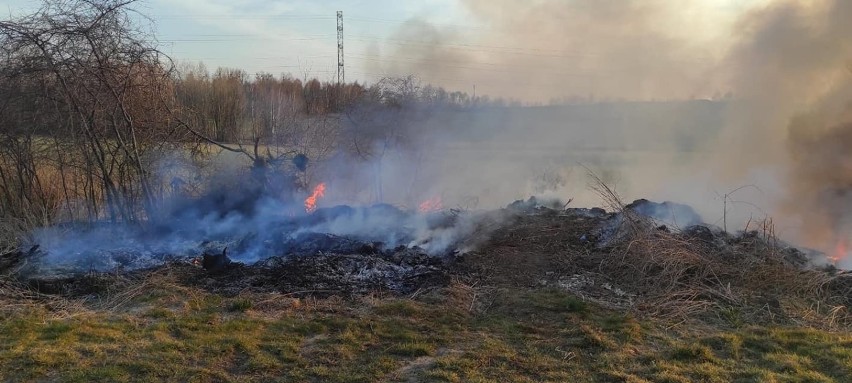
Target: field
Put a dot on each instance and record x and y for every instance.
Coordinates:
(179, 334)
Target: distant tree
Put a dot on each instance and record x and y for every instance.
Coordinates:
(228, 103)
(380, 121)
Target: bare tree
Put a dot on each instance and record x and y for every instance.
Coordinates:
(102, 82)
(381, 120)
(255, 119)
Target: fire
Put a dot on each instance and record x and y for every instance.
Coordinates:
(431, 204)
(840, 251)
(311, 201)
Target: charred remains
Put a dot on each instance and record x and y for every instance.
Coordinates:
(530, 243)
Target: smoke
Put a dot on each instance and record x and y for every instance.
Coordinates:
(791, 59)
(554, 49)
(420, 48)
(669, 213)
(776, 134)
(623, 67)
(251, 238)
(254, 223)
(792, 67)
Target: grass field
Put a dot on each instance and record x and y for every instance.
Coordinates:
(454, 334)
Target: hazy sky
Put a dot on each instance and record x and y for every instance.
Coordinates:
(454, 43)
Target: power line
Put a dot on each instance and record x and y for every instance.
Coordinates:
(493, 68)
(503, 81)
(244, 16)
(283, 58)
(303, 17)
(255, 38)
(398, 21)
(251, 35)
(475, 47)
(440, 63)
(203, 38)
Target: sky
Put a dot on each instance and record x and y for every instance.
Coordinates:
(276, 36)
(506, 49)
(298, 37)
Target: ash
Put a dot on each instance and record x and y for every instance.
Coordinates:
(340, 250)
(401, 271)
(260, 238)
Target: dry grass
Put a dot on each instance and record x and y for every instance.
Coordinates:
(39, 201)
(732, 281)
(178, 333)
(16, 299)
(681, 278)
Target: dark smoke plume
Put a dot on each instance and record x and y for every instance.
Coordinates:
(793, 71)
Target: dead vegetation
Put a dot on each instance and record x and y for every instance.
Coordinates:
(626, 261)
(748, 277)
(682, 277)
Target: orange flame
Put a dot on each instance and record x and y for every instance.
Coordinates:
(311, 201)
(430, 205)
(840, 251)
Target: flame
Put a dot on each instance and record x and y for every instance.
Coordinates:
(840, 251)
(431, 204)
(311, 201)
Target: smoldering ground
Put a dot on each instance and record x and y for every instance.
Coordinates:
(253, 224)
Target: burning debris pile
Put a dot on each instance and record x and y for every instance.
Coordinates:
(268, 229)
(647, 257)
(340, 249)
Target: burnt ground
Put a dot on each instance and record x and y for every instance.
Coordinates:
(361, 270)
(621, 261)
(326, 265)
(554, 237)
(400, 271)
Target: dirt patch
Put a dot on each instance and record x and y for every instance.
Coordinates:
(310, 344)
(409, 372)
(540, 246)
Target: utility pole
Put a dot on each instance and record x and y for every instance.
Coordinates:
(341, 75)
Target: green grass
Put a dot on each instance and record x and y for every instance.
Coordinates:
(240, 305)
(522, 336)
